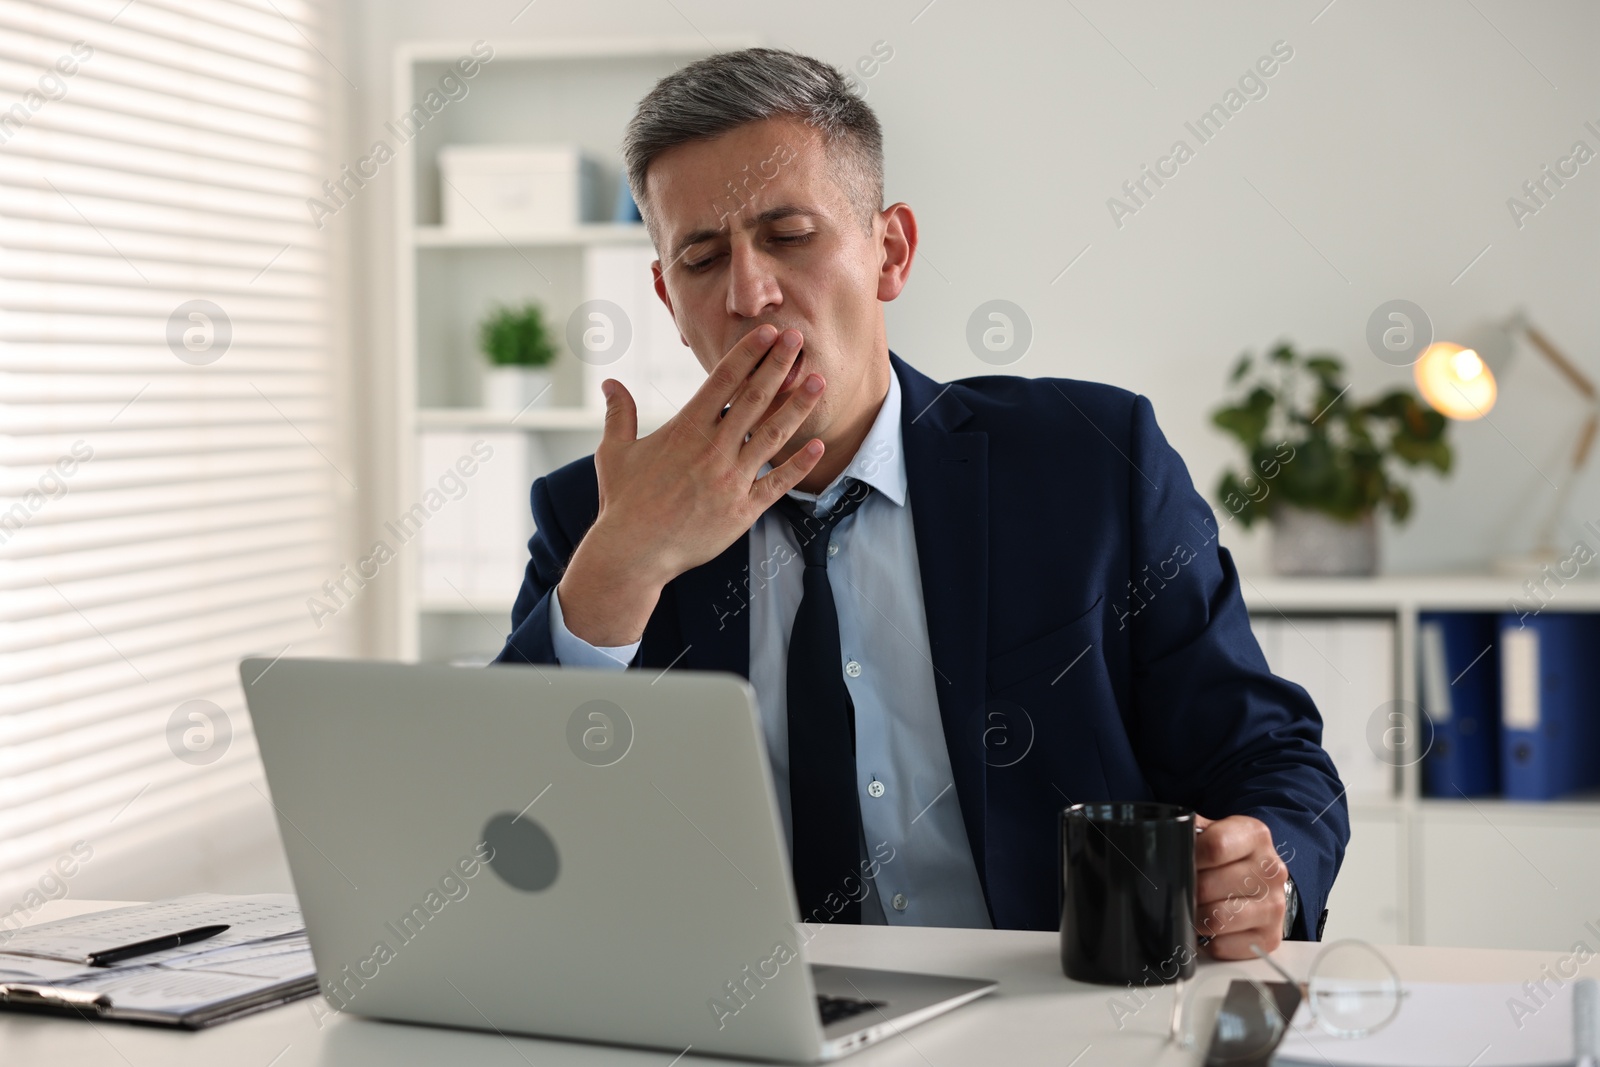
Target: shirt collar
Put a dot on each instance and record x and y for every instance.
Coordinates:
(880, 461)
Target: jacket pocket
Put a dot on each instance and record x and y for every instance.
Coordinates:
(1054, 652)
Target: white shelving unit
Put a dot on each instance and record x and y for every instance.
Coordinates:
(1485, 872)
(574, 91)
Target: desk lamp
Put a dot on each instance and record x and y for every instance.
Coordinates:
(1461, 381)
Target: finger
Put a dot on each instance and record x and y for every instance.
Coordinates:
(1239, 882)
(772, 435)
(1240, 878)
(784, 477)
(1272, 867)
(730, 373)
(1230, 839)
(622, 417)
(752, 401)
(1219, 916)
(1241, 913)
(1236, 946)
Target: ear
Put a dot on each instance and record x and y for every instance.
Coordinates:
(659, 280)
(899, 247)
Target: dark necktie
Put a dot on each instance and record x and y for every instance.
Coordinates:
(823, 799)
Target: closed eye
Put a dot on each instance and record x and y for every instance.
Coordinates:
(701, 266)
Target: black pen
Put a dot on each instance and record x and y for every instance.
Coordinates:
(140, 948)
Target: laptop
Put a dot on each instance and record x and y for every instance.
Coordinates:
(567, 853)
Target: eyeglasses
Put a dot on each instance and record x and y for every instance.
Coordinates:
(1351, 990)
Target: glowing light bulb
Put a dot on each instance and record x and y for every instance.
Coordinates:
(1455, 381)
(1466, 364)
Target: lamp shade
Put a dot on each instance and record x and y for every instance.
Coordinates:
(1494, 340)
(1456, 381)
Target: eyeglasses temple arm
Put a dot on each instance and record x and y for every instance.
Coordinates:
(1270, 962)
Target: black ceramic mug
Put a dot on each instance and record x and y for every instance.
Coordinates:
(1127, 892)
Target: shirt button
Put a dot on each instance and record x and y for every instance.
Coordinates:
(853, 669)
(900, 902)
(833, 548)
(875, 788)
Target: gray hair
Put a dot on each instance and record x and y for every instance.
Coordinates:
(711, 96)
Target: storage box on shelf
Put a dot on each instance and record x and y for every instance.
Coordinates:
(1468, 870)
(489, 209)
(520, 188)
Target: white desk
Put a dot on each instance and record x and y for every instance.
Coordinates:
(1035, 1017)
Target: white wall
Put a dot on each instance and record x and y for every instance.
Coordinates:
(1387, 147)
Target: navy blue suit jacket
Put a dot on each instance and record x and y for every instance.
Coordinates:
(1076, 596)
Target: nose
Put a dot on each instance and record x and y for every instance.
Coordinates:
(753, 288)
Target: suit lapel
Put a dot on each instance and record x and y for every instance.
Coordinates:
(713, 609)
(947, 478)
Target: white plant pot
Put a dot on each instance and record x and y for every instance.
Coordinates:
(515, 388)
(1311, 543)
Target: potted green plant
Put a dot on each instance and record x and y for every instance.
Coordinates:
(1320, 463)
(520, 352)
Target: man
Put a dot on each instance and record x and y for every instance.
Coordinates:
(1024, 604)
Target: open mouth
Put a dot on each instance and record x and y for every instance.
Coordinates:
(794, 371)
(788, 380)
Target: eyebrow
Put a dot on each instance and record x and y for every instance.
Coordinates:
(772, 214)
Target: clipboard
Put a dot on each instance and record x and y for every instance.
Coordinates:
(57, 1000)
(189, 962)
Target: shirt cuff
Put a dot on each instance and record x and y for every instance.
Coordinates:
(573, 651)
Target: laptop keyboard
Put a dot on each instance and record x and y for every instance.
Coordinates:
(832, 1009)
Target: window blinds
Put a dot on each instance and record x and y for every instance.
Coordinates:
(169, 473)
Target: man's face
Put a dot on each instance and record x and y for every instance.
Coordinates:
(753, 228)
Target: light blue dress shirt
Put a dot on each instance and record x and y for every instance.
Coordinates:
(908, 797)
